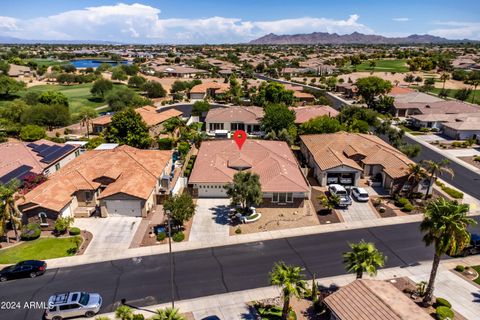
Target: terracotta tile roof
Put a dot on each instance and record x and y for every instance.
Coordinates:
(235, 114)
(273, 161)
(217, 86)
(396, 90)
(303, 95)
(135, 173)
(335, 149)
(150, 114)
(13, 155)
(366, 299)
(303, 114)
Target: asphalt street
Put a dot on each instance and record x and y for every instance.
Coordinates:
(146, 281)
(464, 179)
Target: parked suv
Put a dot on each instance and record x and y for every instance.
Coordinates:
(73, 304)
(29, 268)
(360, 194)
(342, 193)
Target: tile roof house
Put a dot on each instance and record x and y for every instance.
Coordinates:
(18, 71)
(178, 71)
(280, 176)
(303, 114)
(365, 299)
(345, 157)
(404, 109)
(231, 118)
(19, 159)
(460, 121)
(123, 181)
(212, 89)
(152, 116)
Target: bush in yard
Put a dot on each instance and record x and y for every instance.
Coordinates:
(178, 237)
(31, 232)
(402, 202)
(74, 231)
(408, 207)
(138, 317)
(381, 210)
(238, 230)
(124, 313)
(186, 173)
(62, 224)
(476, 158)
(443, 313)
(161, 236)
(460, 268)
(165, 144)
(453, 193)
(442, 302)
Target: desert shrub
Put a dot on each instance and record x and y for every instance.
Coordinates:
(460, 268)
(31, 232)
(442, 302)
(402, 202)
(443, 313)
(161, 236)
(408, 207)
(178, 237)
(238, 230)
(453, 193)
(74, 231)
(476, 158)
(165, 144)
(381, 210)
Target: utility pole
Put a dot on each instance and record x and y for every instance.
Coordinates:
(168, 213)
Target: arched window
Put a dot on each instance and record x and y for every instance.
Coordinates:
(43, 219)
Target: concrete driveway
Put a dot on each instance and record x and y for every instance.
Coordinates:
(109, 234)
(358, 211)
(210, 221)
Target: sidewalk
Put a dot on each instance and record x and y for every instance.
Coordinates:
(233, 304)
(447, 155)
(231, 240)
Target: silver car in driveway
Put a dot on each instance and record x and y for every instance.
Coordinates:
(73, 304)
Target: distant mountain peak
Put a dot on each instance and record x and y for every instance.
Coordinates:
(353, 38)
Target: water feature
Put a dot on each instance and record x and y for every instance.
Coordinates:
(93, 63)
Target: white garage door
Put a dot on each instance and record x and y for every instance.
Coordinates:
(211, 191)
(129, 208)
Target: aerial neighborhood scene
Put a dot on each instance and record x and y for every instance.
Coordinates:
(220, 160)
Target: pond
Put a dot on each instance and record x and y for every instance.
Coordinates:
(93, 63)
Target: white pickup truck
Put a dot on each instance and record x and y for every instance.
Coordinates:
(341, 192)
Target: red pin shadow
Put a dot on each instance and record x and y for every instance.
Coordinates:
(239, 136)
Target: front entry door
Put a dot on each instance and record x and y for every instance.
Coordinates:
(282, 198)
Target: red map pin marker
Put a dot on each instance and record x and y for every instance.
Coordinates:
(240, 136)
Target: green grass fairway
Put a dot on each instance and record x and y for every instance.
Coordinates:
(47, 62)
(451, 93)
(40, 249)
(383, 66)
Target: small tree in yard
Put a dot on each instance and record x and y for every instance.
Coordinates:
(291, 280)
(199, 107)
(154, 89)
(168, 314)
(181, 208)
(363, 257)
(62, 224)
(330, 203)
(245, 189)
(124, 313)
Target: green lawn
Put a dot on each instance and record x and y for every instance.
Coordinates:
(47, 62)
(40, 249)
(477, 268)
(383, 66)
(451, 93)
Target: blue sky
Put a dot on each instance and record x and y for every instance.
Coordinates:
(226, 21)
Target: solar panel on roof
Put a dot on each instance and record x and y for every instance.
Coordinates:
(18, 173)
(32, 145)
(41, 148)
(57, 154)
(51, 149)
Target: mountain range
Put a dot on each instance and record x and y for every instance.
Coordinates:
(353, 38)
(13, 40)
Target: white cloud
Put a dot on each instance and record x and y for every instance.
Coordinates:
(142, 23)
(401, 19)
(457, 30)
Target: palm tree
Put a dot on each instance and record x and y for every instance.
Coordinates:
(290, 279)
(415, 174)
(363, 257)
(434, 168)
(9, 209)
(124, 312)
(444, 77)
(168, 314)
(445, 226)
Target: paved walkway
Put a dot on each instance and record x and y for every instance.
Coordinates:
(210, 220)
(234, 303)
(463, 152)
(111, 235)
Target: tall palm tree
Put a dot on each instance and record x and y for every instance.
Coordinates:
(168, 314)
(9, 209)
(435, 168)
(415, 174)
(445, 226)
(291, 280)
(444, 77)
(363, 257)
